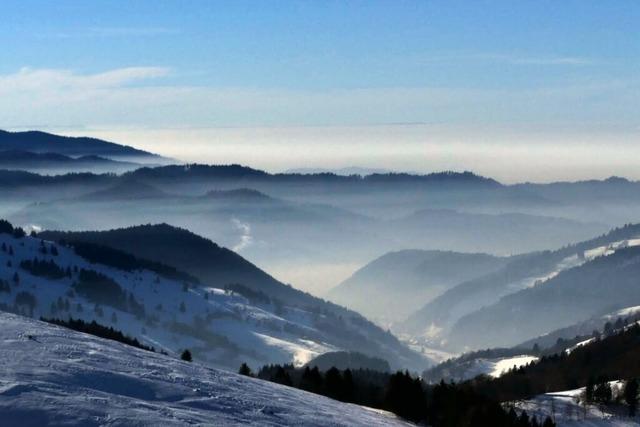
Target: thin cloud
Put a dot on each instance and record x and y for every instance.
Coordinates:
(130, 31)
(130, 97)
(50, 80)
(514, 59)
(107, 32)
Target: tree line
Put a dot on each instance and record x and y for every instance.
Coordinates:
(94, 328)
(440, 405)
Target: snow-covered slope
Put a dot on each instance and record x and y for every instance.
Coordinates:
(55, 376)
(219, 327)
(494, 367)
(466, 368)
(566, 409)
(432, 325)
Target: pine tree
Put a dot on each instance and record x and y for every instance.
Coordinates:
(16, 278)
(602, 392)
(186, 356)
(333, 383)
(54, 250)
(548, 422)
(245, 370)
(311, 380)
(588, 391)
(282, 377)
(608, 329)
(348, 388)
(631, 395)
(114, 317)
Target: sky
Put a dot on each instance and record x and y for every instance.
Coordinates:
(518, 90)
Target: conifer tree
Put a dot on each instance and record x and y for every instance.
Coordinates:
(245, 370)
(186, 356)
(631, 395)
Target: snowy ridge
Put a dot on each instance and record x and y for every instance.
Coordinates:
(493, 367)
(576, 260)
(50, 375)
(219, 327)
(567, 409)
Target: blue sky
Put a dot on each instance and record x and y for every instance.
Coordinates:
(485, 75)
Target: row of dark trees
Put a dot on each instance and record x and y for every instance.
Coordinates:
(612, 358)
(43, 268)
(7, 228)
(441, 405)
(98, 330)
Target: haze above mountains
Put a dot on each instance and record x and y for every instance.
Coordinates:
(439, 258)
(381, 271)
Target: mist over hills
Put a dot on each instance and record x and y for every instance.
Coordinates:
(605, 284)
(302, 217)
(219, 267)
(473, 305)
(477, 240)
(54, 163)
(398, 283)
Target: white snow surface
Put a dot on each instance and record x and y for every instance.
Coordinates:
(580, 344)
(503, 365)
(255, 334)
(567, 411)
(575, 260)
(494, 367)
(51, 375)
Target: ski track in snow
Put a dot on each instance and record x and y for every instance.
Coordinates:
(51, 375)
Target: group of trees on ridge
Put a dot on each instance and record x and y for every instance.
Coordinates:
(440, 405)
(94, 328)
(613, 357)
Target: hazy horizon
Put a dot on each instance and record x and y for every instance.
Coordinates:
(536, 91)
(507, 156)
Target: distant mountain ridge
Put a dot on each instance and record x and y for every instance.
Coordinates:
(235, 171)
(43, 142)
(220, 267)
(400, 282)
(47, 162)
(467, 307)
(607, 283)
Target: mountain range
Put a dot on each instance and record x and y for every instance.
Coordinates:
(472, 307)
(327, 324)
(42, 142)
